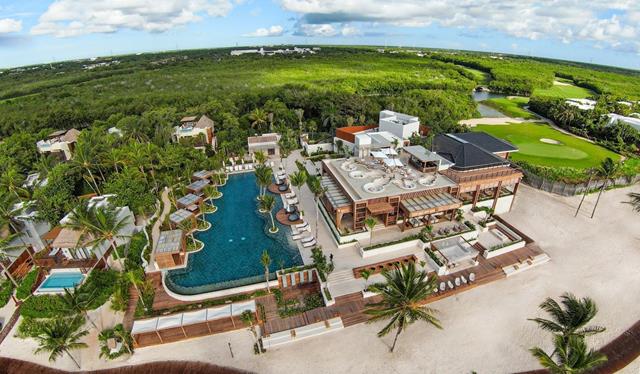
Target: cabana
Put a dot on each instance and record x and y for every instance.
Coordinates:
(425, 160)
(180, 218)
(191, 203)
(197, 186)
(201, 175)
(171, 249)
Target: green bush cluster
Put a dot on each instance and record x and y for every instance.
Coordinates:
(6, 289)
(24, 288)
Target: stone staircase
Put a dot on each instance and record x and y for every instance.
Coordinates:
(342, 282)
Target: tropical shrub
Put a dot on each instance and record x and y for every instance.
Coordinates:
(24, 289)
(121, 336)
(6, 290)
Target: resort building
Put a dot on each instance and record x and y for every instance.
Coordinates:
(362, 140)
(267, 143)
(69, 248)
(631, 121)
(60, 144)
(182, 218)
(200, 129)
(420, 186)
(401, 125)
(582, 104)
(171, 249)
(480, 169)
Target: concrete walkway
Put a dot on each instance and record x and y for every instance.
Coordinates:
(155, 231)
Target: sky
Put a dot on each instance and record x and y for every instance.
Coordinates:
(603, 32)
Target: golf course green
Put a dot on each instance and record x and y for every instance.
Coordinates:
(542, 145)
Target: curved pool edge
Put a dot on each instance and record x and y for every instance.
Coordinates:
(216, 294)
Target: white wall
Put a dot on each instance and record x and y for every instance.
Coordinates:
(320, 147)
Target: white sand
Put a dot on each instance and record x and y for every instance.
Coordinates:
(486, 329)
(550, 141)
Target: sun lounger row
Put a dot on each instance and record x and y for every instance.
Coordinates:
(457, 282)
(239, 167)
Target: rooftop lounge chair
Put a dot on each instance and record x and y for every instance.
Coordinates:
(290, 195)
(308, 239)
(302, 225)
(309, 244)
(296, 235)
(443, 286)
(450, 284)
(249, 166)
(457, 281)
(463, 279)
(472, 277)
(292, 201)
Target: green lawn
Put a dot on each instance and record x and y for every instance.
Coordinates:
(564, 91)
(571, 152)
(512, 107)
(480, 76)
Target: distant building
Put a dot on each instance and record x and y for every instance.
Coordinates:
(59, 144)
(201, 129)
(267, 143)
(362, 140)
(631, 121)
(583, 104)
(272, 52)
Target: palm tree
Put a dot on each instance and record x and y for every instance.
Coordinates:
(403, 291)
(316, 188)
(11, 214)
(4, 246)
(248, 318)
(84, 160)
(370, 222)
(58, 336)
(365, 273)
(572, 356)
(266, 204)
(300, 114)
(265, 260)
(569, 319)
(258, 118)
(98, 224)
(260, 157)
(133, 277)
(12, 181)
(297, 180)
(210, 191)
(607, 172)
(635, 201)
(339, 144)
(263, 178)
(76, 303)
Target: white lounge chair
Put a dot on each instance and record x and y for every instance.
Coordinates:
(296, 236)
(250, 167)
(457, 281)
(308, 239)
(443, 286)
(309, 244)
(463, 279)
(290, 195)
(472, 277)
(450, 284)
(292, 201)
(302, 225)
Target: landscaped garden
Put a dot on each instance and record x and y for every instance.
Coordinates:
(542, 145)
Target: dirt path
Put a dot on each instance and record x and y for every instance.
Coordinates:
(155, 231)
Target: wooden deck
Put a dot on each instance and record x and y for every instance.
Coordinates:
(283, 217)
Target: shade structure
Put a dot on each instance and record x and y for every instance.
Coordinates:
(180, 216)
(430, 203)
(334, 194)
(380, 208)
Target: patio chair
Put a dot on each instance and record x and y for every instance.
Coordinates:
(308, 239)
(250, 167)
(309, 244)
(297, 236)
(302, 226)
(457, 281)
(463, 279)
(443, 286)
(290, 195)
(472, 277)
(450, 284)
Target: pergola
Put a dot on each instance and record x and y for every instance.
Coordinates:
(429, 204)
(425, 160)
(171, 249)
(177, 218)
(197, 186)
(190, 202)
(202, 174)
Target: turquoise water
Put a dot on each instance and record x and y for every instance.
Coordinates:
(61, 280)
(234, 244)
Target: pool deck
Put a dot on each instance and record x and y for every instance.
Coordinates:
(283, 217)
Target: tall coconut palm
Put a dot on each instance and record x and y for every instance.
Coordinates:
(571, 357)
(11, 214)
(370, 222)
(265, 260)
(297, 180)
(76, 302)
(402, 293)
(12, 181)
(339, 144)
(135, 278)
(267, 203)
(316, 188)
(570, 317)
(260, 157)
(258, 118)
(84, 160)
(210, 191)
(300, 114)
(263, 178)
(635, 201)
(248, 318)
(607, 172)
(5, 245)
(58, 336)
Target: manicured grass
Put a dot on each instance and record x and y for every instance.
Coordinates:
(512, 107)
(479, 76)
(571, 152)
(564, 91)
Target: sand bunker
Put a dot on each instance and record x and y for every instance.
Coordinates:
(550, 141)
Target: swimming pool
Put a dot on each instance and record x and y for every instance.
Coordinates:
(234, 244)
(58, 281)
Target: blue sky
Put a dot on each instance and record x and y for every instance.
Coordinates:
(39, 31)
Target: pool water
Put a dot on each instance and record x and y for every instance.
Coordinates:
(234, 244)
(59, 281)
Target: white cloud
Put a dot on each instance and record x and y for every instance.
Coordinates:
(265, 32)
(349, 30)
(324, 30)
(8, 25)
(613, 23)
(66, 18)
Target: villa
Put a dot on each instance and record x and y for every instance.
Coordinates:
(401, 125)
(200, 129)
(420, 187)
(266, 143)
(68, 249)
(59, 144)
